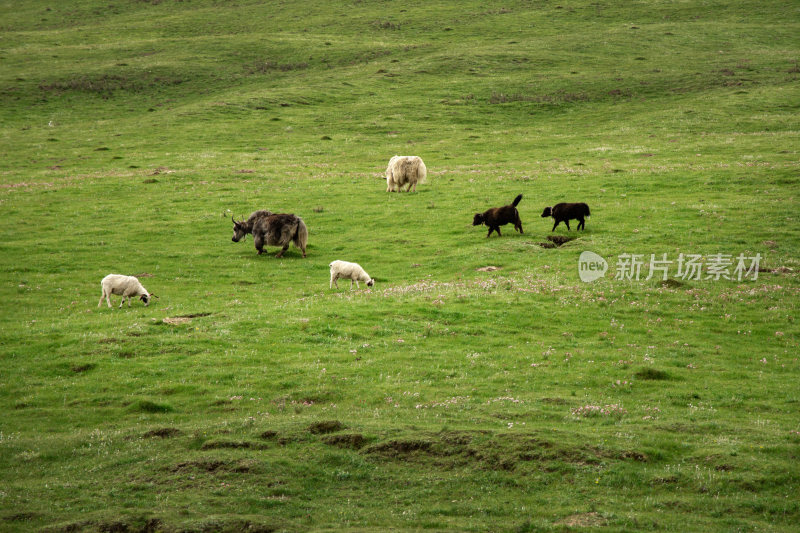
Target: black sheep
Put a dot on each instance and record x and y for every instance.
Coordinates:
(565, 212)
(499, 216)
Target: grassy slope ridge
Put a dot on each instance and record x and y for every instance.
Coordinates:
(445, 398)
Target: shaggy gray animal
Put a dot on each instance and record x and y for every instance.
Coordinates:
(405, 170)
(272, 230)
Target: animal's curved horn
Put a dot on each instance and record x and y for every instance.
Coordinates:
(233, 220)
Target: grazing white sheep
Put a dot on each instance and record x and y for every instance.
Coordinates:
(405, 170)
(125, 286)
(351, 271)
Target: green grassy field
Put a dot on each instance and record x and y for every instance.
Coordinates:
(251, 397)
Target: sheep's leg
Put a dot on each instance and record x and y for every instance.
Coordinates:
(258, 241)
(518, 225)
(581, 223)
(554, 225)
(567, 223)
(101, 300)
(330, 285)
(283, 250)
(409, 187)
(351, 284)
(357, 285)
(491, 229)
(497, 229)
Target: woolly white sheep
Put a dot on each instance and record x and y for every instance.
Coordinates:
(351, 271)
(405, 170)
(125, 286)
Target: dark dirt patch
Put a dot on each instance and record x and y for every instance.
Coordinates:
(231, 444)
(723, 468)
(399, 448)
(634, 455)
(146, 406)
(493, 452)
(150, 526)
(108, 340)
(148, 181)
(672, 284)
(244, 282)
(79, 369)
(204, 465)
(559, 240)
(325, 426)
(652, 374)
(455, 437)
(19, 517)
(71, 527)
(354, 441)
(221, 401)
(220, 525)
(213, 466)
(193, 315)
(163, 433)
(269, 435)
(547, 245)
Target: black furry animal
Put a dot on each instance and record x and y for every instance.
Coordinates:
(500, 216)
(565, 212)
(273, 230)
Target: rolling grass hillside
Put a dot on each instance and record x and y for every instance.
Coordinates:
(448, 397)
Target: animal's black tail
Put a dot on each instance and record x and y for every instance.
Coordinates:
(588, 214)
(516, 200)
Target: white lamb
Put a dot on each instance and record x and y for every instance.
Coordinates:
(125, 286)
(351, 271)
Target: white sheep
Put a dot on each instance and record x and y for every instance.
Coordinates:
(405, 170)
(351, 271)
(125, 286)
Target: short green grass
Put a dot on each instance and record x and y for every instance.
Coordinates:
(446, 398)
